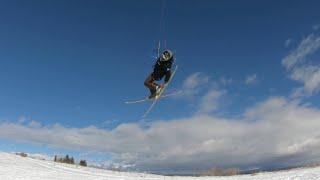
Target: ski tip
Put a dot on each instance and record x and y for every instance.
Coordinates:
(145, 115)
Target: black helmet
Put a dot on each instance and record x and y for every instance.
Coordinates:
(166, 55)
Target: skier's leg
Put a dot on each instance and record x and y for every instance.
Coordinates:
(149, 83)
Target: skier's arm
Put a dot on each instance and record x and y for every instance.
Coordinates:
(168, 73)
(167, 78)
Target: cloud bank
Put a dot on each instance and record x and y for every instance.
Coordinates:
(271, 130)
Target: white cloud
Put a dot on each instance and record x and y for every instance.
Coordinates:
(205, 92)
(316, 27)
(225, 81)
(264, 108)
(299, 70)
(251, 79)
(288, 42)
(308, 46)
(199, 83)
(309, 75)
(22, 119)
(210, 101)
(271, 130)
(34, 124)
(194, 83)
(195, 80)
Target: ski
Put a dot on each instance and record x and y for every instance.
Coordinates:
(147, 99)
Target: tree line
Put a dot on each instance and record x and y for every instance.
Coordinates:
(69, 160)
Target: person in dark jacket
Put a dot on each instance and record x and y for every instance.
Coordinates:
(162, 68)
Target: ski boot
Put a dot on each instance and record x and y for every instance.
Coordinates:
(155, 92)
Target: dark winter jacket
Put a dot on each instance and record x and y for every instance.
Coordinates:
(161, 69)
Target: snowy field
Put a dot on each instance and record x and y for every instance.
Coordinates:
(13, 167)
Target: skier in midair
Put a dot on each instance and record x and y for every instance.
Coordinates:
(161, 68)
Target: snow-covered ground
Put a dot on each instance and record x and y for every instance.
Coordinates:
(13, 167)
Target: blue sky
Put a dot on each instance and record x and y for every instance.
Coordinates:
(74, 63)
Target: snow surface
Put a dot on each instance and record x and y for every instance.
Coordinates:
(13, 167)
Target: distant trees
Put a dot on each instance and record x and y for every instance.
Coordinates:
(65, 159)
(68, 160)
(22, 154)
(83, 163)
(221, 172)
(71, 160)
